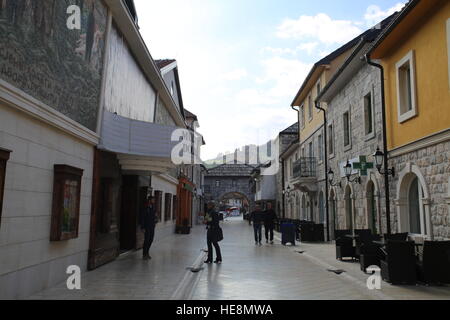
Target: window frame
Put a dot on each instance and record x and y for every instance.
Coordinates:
(370, 135)
(310, 108)
(4, 157)
(349, 145)
(407, 115)
(320, 148)
(63, 173)
(302, 116)
(331, 141)
(318, 85)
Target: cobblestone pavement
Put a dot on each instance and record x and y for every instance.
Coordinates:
(249, 272)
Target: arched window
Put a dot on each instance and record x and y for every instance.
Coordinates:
(413, 202)
(415, 194)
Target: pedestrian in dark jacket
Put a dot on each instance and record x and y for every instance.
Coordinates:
(148, 221)
(257, 217)
(269, 222)
(213, 234)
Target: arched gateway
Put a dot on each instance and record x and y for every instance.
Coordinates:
(229, 181)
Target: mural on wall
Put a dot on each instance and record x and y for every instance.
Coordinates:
(41, 56)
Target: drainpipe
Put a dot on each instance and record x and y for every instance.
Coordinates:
(383, 113)
(283, 185)
(327, 205)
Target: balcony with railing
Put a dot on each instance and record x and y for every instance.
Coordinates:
(304, 174)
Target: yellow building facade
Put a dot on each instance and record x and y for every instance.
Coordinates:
(415, 55)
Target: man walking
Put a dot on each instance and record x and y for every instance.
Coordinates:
(257, 217)
(148, 222)
(269, 222)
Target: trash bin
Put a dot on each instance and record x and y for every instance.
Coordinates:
(288, 233)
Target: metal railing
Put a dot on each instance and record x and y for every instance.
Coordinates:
(304, 168)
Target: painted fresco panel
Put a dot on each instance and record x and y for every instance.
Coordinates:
(41, 56)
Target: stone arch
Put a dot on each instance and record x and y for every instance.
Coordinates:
(246, 201)
(406, 178)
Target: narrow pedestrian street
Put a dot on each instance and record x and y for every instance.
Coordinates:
(249, 272)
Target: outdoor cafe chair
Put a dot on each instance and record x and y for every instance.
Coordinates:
(399, 266)
(435, 265)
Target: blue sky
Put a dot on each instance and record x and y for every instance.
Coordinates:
(241, 62)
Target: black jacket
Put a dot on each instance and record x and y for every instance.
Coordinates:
(147, 218)
(270, 217)
(257, 217)
(212, 224)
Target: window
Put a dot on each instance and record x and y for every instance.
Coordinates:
(368, 115)
(346, 123)
(4, 157)
(406, 88)
(66, 203)
(302, 116)
(320, 144)
(172, 88)
(417, 223)
(167, 206)
(311, 149)
(158, 204)
(318, 88)
(331, 139)
(310, 108)
(174, 207)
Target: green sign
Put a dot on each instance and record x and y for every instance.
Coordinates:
(363, 165)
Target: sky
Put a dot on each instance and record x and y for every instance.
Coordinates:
(241, 62)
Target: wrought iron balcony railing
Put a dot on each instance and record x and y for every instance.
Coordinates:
(304, 168)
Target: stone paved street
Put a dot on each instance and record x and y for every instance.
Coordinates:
(269, 272)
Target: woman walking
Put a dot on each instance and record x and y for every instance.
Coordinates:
(214, 233)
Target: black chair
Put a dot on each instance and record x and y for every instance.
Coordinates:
(435, 265)
(367, 251)
(396, 236)
(344, 245)
(399, 266)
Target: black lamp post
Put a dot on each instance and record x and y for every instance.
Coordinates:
(331, 178)
(348, 173)
(379, 160)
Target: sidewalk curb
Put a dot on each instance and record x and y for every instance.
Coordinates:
(186, 288)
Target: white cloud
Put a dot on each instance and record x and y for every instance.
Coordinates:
(309, 47)
(320, 27)
(374, 14)
(236, 74)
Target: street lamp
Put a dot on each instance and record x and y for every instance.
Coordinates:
(331, 178)
(348, 173)
(379, 159)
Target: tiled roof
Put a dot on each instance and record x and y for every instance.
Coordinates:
(291, 130)
(164, 63)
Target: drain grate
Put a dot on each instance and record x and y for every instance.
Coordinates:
(336, 271)
(301, 252)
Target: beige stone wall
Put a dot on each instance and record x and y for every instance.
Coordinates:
(29, 262)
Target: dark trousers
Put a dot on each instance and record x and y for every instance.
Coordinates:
(212, 243)
(257, 228)
(268, 228)
(148, 240)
